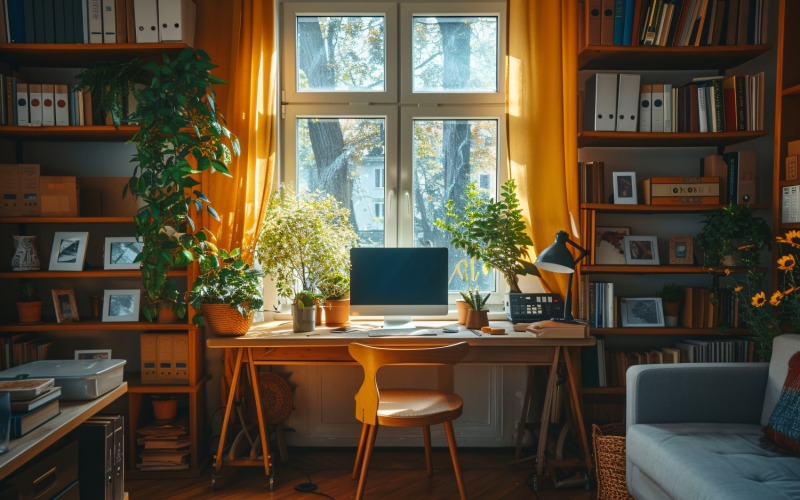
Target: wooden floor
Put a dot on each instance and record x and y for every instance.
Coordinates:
(395, 474)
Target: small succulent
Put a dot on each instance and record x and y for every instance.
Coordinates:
(474, 299)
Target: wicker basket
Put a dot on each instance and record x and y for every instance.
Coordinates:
(609, 455)
(226, 321)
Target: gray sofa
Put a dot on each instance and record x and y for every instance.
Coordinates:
(693, 430)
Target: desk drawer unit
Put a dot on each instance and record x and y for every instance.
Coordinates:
(52, 476)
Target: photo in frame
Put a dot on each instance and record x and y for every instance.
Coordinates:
(69, 251)
(65, 305)
(681, 250)
(608, 244)
(121, 252)
(641, 250)
(93, 354)
(121, 305)
(624, 184)
(641, 311)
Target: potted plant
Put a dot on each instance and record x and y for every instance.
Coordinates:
(671, 298)
(492, 232)
(335, 289)
(227, 292)
(304, 306)
(29, 305)
(181, 135)
(477, 316)
(165, 407)
(733, 235)
(305, 238)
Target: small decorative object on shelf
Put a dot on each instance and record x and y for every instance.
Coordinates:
(29, 305)
(671, 298)
(624, 188)
(25, 256)
(165, 407)
(641, 250)
(681, 250)
(65, 305)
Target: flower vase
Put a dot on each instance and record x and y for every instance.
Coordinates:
(25, 257)
(477, 319)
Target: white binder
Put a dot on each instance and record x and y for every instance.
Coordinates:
(628, 102)
(35, 103)
(657, 110)
(645, 96)
(95, 16)
(668, 112)
(109, 21)
(600, 106)
(176, 21)
(62, 105)
(48, 105)
(145, 14)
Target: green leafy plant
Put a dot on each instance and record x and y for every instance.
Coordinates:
(27, 292)
(474, 299)
(226, 279)
(305, 298)
(181, 135)
(671, 293)
(305, 238)
(734, 231)
(335, 286)
(492, 232)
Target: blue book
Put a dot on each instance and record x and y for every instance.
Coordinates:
(627, 28)
(15, 14)
(619, 21)
(24, 422)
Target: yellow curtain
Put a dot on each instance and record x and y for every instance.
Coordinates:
(239, 35)
(542, 121)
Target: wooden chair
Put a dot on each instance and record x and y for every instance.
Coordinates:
(404, 407)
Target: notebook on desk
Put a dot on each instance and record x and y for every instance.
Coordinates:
(404, 332)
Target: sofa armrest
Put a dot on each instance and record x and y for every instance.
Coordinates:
(696, 392)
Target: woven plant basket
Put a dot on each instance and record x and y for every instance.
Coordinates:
(609, 455)
(226, 321)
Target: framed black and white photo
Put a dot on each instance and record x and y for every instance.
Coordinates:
(93, 354)
(65, 305)
(121, 305)
(69, 250)
(121, 252)
(624, 184)
(608, 247)
(641, 311)
(641, 250)
(681, 250)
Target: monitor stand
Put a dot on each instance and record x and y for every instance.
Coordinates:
(397, 322)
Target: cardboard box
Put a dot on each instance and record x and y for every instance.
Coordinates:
(681, 191)
(102, 196)
(19, 189)
(59, 196)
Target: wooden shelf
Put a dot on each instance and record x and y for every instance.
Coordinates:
(639, 58)
(94, 325)
(86, 133)
(66, 220)
(80, 55)
(593, 139)
(85, 274)
(657, 209)
(706, 332)
(136, 386)
(667, 269)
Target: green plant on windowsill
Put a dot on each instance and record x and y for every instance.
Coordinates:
(304, 298)
(474, 299)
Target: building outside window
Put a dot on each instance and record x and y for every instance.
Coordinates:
(394, 107)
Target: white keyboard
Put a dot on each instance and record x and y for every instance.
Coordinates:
(404, 332)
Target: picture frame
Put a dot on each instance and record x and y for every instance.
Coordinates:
(65, 305)
(93, 354)
(681, 250)
(69, 251)
(641, 311)
(624, 184)
(121, 305)
(641, 250)
(608, 245)
(121, 252)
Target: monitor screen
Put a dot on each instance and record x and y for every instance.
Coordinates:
(398, 282)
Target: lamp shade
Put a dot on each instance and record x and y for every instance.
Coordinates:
(557, 258)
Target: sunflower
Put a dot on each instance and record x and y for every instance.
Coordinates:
(786, 263)
(776, 298)
(791, 238)
(759, 299)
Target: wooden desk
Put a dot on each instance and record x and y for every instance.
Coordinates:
(274, 343)
(73, 414)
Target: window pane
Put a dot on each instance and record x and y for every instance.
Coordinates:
(341, 54)
(339, 156)
(454, 54)
(448, 155)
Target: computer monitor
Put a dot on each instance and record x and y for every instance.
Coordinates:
(398, 283)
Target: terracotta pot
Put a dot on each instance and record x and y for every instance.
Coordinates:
(30, 312)
(462, 308)
(165, 410)
(672, 311)
(317, 313)
(166, 314)
(337, 312)
(477, 319)
(226, 321)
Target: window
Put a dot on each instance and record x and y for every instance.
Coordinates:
(394, 107)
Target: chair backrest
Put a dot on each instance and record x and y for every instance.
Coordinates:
(783, 347)
(372, 358)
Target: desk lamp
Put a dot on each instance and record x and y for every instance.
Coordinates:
(558, 259)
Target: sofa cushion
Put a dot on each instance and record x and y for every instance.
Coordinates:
(711, 461)
(784, 424)
(783, 348)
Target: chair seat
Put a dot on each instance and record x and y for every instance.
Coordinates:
(417, 407)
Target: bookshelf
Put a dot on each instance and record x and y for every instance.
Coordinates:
(92, 151)
(664, 154)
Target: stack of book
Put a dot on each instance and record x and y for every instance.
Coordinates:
(163, 447)
(33, 402)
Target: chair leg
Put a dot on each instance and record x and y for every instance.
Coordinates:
(360, 451)
(362, 481)
(426, 437)
(451, 442)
